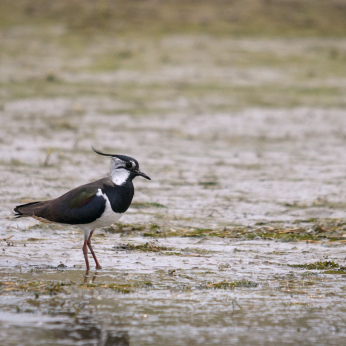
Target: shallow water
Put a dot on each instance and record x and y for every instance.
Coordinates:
(274, 302)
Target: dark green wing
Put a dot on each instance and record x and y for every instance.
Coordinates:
(78, 206)
(82, 197)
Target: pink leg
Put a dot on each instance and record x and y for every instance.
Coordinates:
(85, 252)
(92, 251)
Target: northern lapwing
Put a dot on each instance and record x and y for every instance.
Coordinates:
(90, 206)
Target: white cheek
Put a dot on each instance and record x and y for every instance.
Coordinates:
(119, 176)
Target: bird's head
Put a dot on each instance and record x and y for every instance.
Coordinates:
(123, 168)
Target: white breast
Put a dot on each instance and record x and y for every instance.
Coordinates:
(107, 218)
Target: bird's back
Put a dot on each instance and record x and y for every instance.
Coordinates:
(81, 205)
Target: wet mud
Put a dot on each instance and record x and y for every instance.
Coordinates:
(185, 290)
(240, 237)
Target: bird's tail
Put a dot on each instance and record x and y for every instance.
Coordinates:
(26, 209)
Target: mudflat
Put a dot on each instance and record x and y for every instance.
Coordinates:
(240, 236)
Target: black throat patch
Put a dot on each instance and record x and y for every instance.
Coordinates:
(120, 197)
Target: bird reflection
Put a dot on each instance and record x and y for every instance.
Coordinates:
(86, 277)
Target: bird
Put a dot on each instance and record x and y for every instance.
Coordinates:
(91, 206)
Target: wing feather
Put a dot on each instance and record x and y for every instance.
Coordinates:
(78, 206)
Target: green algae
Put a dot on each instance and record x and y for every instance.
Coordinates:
(173, 254)
(49, 287)
(164, 250)
(231, 285)
(310, 230)
(121, 288)
(131, 228)
(316, 266)
(139, 205)
(339, 271)
(53, 287)
(147, 247)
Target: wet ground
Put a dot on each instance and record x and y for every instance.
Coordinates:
(239, 239)
(175, 291)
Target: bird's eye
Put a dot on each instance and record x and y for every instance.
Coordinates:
(128, 165)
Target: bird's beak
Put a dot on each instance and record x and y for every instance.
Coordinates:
(142, 175)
